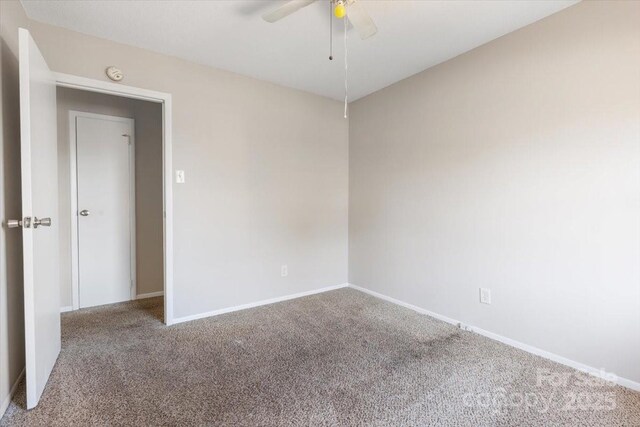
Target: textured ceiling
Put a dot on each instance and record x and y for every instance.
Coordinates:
(412, 35)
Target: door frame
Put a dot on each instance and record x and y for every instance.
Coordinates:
(92, 85)
(73, 174)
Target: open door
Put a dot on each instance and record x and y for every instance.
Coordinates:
(40, 235)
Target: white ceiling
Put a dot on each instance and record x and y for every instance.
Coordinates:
(412, 35)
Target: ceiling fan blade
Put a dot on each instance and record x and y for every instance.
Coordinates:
(360, 19)
(286, 10)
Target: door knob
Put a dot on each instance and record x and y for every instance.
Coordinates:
(15, 223)
(85, 212)
(45, 222)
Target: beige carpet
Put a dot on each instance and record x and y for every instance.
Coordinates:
(340, 358)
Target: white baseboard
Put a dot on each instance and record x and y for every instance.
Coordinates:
(150, 295)
(405, 304)
(600, 373)
(65, 309)
(256, 304)
(7, 400)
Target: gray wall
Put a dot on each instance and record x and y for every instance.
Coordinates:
(11, 301)
(266, 174)
(515, 167)
(148, 147)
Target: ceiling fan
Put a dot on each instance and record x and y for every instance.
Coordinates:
(352, 9)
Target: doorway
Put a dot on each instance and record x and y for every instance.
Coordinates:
(153, 209)
(105, 198)
(111, 198)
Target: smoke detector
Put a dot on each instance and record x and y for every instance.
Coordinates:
(115, 74)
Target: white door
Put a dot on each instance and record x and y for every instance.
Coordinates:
(39, 163)
(105, 182)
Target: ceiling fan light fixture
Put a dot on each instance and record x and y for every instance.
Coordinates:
(340, 10)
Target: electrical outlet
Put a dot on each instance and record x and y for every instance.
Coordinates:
(180, 177)
(284, 271)
(485, 296)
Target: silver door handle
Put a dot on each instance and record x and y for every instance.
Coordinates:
(85, 212)
(45, 222)
(15, 223)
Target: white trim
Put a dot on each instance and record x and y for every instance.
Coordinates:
(91, 85)
(133, 276)
(167, 158)
(257, 303)
(73, 174)
(109, 88)
(150, 295)
(67, 309)
(7, 401)
(73, 183)
(406, 305)
(600, 373)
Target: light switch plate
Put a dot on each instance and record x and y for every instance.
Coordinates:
(180, 177)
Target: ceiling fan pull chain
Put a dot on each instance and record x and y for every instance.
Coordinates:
(346, 87)
(330, 30)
